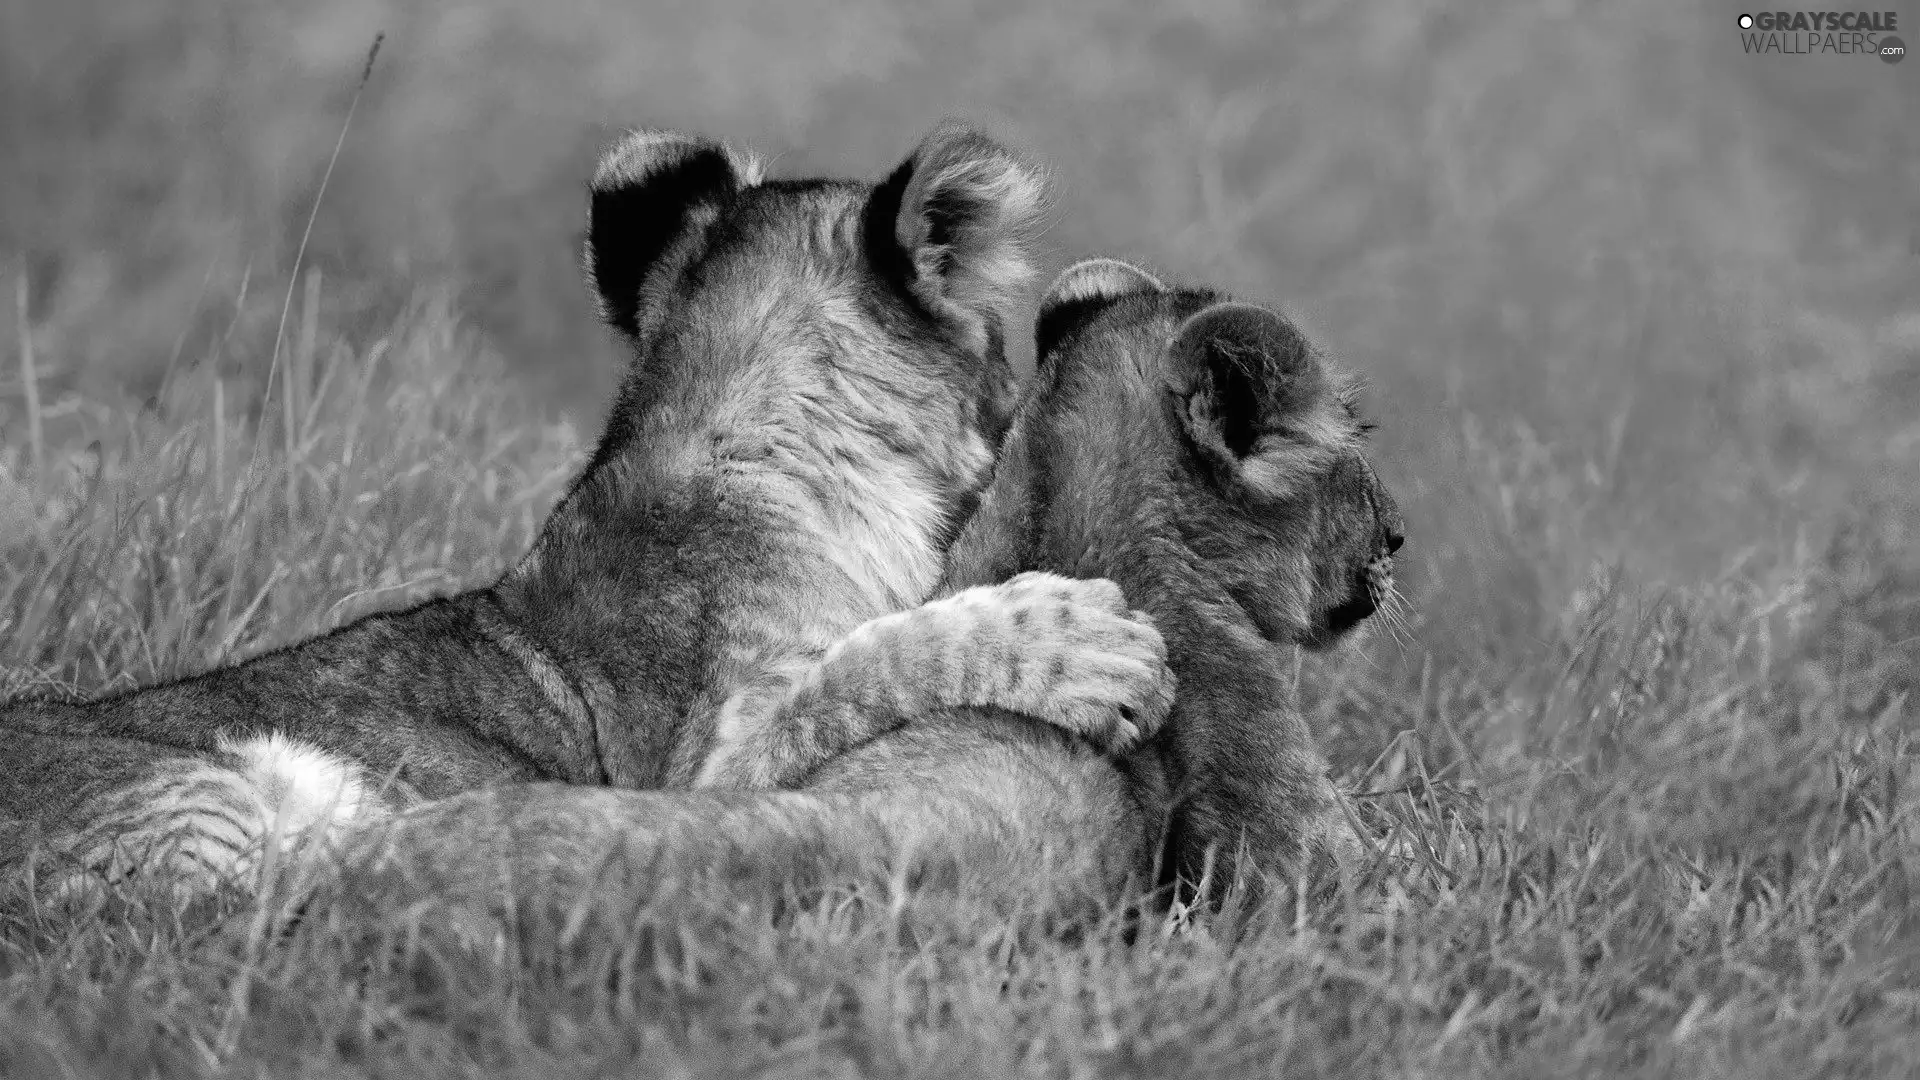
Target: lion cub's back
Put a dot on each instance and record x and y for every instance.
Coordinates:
(1011, 795)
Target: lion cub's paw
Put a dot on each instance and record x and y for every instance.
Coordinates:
(1071, 653)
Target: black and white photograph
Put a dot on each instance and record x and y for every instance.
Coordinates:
(863, 539)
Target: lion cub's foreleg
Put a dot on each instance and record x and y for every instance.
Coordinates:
(1064, 651)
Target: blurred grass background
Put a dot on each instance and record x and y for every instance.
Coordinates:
(1591, 239)
(1641, 314)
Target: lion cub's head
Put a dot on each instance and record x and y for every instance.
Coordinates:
(1173, 420)
(763, 312)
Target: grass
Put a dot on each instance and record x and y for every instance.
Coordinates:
(1676, 835)
(1639, 317)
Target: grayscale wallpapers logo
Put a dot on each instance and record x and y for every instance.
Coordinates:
(1805, 33)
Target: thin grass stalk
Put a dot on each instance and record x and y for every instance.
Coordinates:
(30, 382)
(300, 254)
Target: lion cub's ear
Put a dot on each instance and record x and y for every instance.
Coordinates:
(955, 221)
(1255, 399)
(1079, 292)
(648, 190)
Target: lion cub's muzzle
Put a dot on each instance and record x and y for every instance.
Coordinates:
(1359, 604)
(1372, 589)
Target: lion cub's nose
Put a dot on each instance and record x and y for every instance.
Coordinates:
(1394, 540)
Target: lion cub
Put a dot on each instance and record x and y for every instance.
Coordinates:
(815, 389)
(1197, 451)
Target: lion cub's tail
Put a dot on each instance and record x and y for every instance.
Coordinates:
(195, 824)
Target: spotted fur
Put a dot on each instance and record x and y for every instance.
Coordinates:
(1060, 650)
